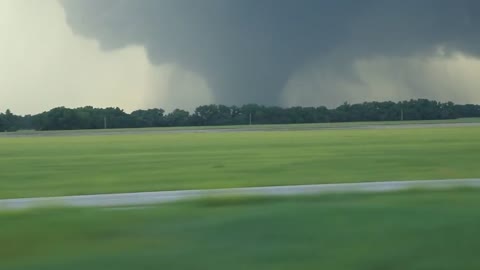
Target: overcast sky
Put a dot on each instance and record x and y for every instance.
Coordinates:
(184, 53)
(44, 64)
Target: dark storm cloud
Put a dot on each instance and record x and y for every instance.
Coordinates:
(248, 49)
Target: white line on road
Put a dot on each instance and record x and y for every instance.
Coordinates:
(146, 198)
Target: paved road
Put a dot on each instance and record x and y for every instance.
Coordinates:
(224, 129)
(146, 198)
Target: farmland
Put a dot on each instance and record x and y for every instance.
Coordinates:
(414, 229)
(404, 230)
(32, 166)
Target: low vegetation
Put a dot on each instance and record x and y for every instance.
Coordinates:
(407, 230)
(67, 165)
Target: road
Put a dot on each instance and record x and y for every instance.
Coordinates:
(147, 198)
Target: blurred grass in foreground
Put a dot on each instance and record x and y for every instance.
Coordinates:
(403, 230)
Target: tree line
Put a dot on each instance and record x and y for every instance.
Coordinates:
(88, 117)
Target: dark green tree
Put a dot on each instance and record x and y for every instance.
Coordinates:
(178, 118)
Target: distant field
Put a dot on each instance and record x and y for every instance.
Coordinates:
(408, 230)
(66, 165)
(278, 127)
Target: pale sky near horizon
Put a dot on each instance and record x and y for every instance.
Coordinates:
(44, 65)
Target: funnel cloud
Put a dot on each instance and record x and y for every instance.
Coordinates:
(285, 51)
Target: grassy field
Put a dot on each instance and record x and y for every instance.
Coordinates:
(66, 165)
(271, 127)
(408, 230)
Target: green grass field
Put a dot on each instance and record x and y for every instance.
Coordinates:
(66, 165)
(408, 230)
(270, 127)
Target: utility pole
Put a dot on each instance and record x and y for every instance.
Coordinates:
(250, 119)
(401, 114)
(104, 122)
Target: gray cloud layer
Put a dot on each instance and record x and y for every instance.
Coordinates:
(266, 50)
